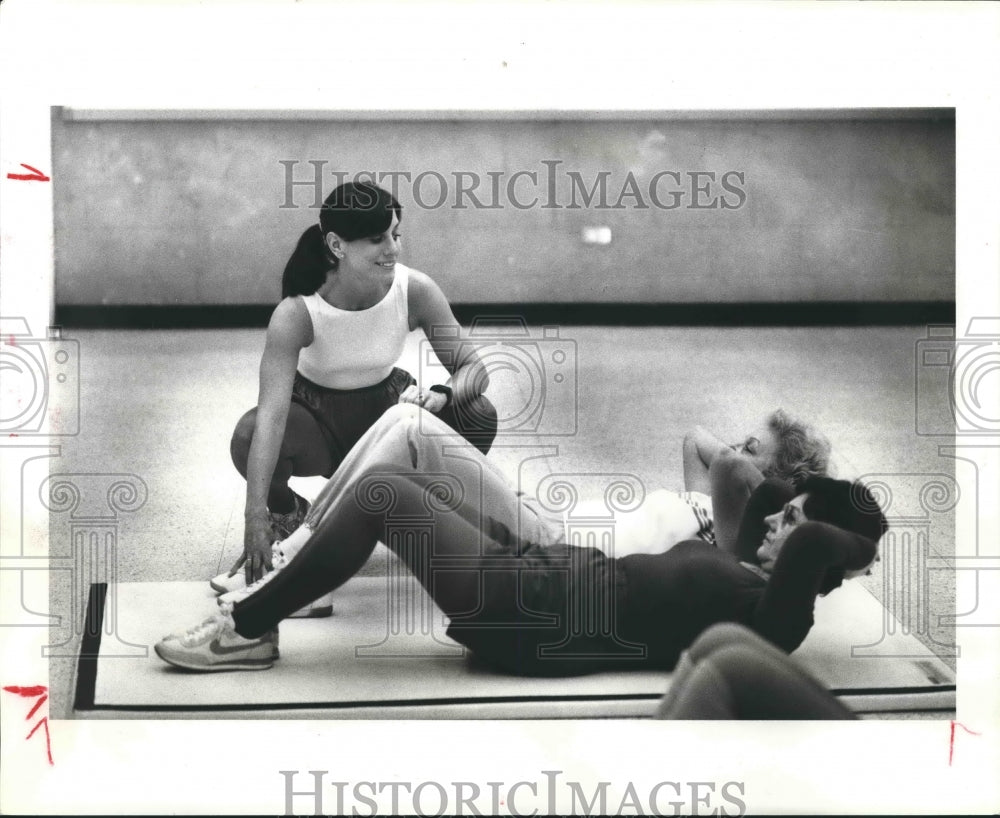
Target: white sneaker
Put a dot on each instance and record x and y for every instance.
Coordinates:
(282, 527)
(225, 584)
(317, 608)
(215, 645)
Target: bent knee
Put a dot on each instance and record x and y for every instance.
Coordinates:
(239, 444)
(719, 636)
(399, 413)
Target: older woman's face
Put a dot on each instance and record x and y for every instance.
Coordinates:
(761, 447)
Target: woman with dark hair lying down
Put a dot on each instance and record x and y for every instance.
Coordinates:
(525, 601)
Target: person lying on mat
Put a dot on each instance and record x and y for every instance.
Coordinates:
(785, 447)
(530, 604)
(328, 368)
(729, 672)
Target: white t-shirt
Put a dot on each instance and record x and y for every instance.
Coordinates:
(664, 519)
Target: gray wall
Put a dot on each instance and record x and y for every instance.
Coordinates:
(170, 210)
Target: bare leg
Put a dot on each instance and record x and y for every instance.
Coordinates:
(303, 453)
(732, 673)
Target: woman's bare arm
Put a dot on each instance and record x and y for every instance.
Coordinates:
(700, 448)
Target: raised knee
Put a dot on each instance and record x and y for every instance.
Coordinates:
(719, 636)
(239, 444)
(400, 413)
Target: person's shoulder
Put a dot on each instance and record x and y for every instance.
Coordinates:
(291, 308)
(417, 279)
(290, 320)
(424, 295)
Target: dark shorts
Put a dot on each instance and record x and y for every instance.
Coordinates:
(547, 611)
(344, 415)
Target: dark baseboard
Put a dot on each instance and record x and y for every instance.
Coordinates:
(798, 314)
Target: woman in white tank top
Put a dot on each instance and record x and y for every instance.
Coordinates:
(328, 369)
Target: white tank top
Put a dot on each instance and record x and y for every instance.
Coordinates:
(352, 349)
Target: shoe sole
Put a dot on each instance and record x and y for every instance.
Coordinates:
(218, 585)
(245, 664)
(313, 613)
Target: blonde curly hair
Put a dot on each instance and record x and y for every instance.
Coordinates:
(803, 451)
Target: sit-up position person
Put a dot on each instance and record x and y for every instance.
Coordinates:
(514, 593)
(785, 447)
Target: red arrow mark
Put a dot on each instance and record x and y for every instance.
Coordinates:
(35, 176)
(48, 742)
(38, 704)
(36, 690)
(42, 694)
(951, 744)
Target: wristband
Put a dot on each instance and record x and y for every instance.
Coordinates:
(444, 390)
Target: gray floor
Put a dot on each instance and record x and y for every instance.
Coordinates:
(157, 409)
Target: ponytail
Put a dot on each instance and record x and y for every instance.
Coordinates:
(306, 270)
(354, 210)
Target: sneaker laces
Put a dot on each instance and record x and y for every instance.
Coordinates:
(287, 516)
(284, 523)
(200, 631)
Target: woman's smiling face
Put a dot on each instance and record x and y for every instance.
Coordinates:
(371, 256)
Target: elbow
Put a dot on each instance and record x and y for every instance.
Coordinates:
(809, 542)
(815, 545)
(792, 643)
(692, 435)
(690, 444)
